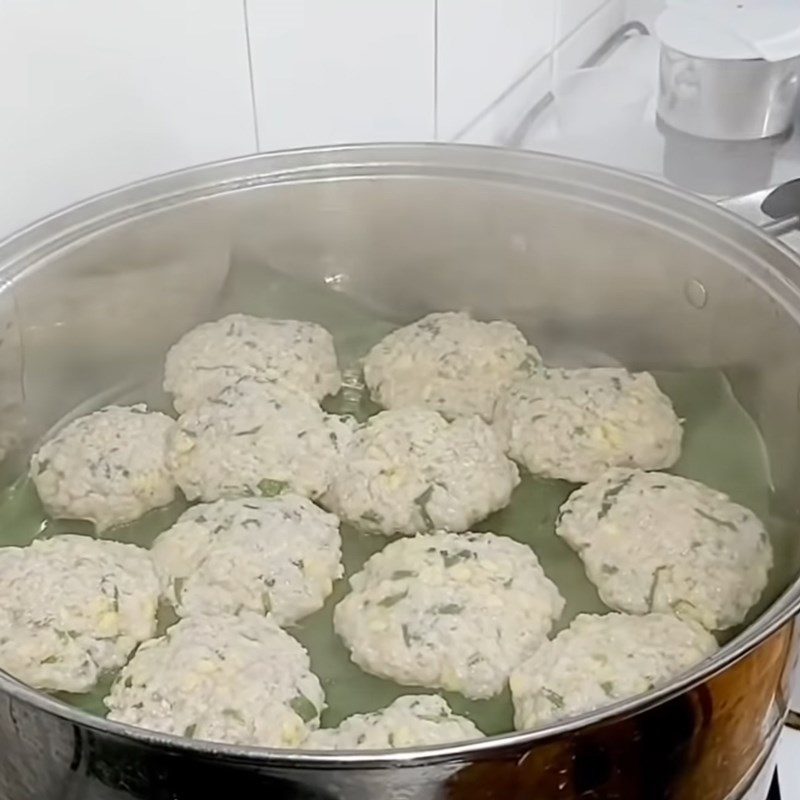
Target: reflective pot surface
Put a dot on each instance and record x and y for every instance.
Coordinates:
(592, 264)
(708, 743)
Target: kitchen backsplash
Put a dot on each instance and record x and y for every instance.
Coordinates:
(96, 94)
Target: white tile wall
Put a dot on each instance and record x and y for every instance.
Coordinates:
(482, 47)
(497, 124)
(487, 46)
(350, 70)
(95, 94)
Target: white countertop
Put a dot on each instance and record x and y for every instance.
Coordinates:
(617, 126)
(789, 764)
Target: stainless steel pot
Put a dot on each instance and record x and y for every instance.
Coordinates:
(577, 255)
(726, 98)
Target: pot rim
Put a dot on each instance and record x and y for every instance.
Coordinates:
(29, 245)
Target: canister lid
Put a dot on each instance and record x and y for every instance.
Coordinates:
(732, 29)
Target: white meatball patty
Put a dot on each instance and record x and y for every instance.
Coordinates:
(256, 437)
(108, 467)
(575, 424)
(216, 354)
(275, 555)
(410, 470)
(454, 611)
(410, 721)
(235, 679)
(448, 362)
(600, 659)
(73, 608)
(658, 542)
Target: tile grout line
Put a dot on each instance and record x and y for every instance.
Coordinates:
(436, 70)
(250, 73)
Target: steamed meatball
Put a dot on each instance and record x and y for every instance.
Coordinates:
(410, 721)
(73, 608)
(449, 363)
(276, 555)
(576, 424)
(600, 659)
(215, 355)
(109, 467)
(410, 471)
(235, 679)
(657, 542)
(257, 437)
(448, 611)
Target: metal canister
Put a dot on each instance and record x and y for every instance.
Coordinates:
(727, 99)
(730, 69)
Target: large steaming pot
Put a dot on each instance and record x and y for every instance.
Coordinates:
(583, 258)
